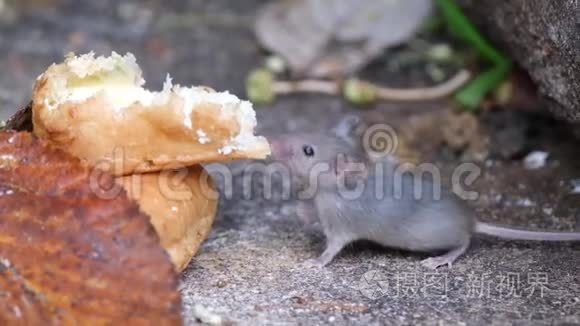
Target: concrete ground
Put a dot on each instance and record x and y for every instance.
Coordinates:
(249, 271)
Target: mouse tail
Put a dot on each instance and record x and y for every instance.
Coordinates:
(514, 233)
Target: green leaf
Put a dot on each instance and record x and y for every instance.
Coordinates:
(460, 25)
(473, 93)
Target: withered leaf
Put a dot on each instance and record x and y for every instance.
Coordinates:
(68, 255)
(21, 120)
(330, 38)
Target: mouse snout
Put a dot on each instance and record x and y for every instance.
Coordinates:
(280, 149)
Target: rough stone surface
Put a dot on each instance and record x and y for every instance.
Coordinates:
(543, 36)
(249, 271)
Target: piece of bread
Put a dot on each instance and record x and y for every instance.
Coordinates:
(181, 204)
(96, 109)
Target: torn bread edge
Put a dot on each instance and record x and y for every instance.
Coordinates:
(86, 104)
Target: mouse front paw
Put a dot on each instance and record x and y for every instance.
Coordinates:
(306, 213)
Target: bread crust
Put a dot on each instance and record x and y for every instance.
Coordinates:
(141, 137)
(181, 205)
(97, 110)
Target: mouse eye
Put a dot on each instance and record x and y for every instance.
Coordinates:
(308, 150)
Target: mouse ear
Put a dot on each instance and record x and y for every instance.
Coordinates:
(345, 127)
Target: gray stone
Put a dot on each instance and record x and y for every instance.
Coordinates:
(543, 36)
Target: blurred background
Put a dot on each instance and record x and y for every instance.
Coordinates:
(198, 42)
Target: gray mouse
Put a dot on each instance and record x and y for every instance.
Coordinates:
(398, 218)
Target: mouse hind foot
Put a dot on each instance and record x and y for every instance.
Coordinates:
(333, 247)
(445, 259)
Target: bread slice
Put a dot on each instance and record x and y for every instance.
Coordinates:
(181, 204)
(97, 109)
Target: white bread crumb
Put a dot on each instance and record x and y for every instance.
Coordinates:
(202, 137)
(120, 81)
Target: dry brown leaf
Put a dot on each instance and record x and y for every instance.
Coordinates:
(69, 257)
(21, 120)
(329, 38)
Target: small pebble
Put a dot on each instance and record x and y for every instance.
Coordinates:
(299, 300)
(536, 160)
(221, 284)
(575, 186)
(205, 316)
(524, 202)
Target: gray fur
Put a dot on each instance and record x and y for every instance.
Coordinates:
(396, 219)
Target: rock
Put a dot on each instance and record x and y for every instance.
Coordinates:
(543, 36)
